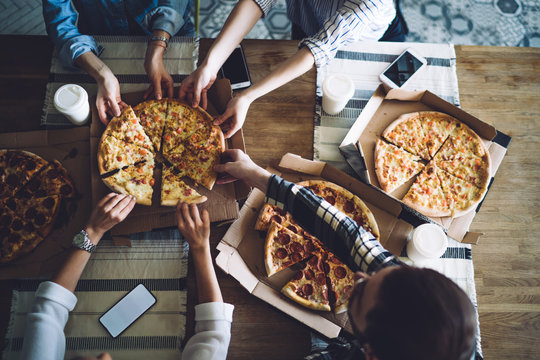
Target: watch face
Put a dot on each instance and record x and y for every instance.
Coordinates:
(78, 240)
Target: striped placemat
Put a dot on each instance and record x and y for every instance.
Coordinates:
(124, 55)
(363, 62)
(159, 260)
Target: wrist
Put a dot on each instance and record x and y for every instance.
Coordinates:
(93, 234)
(209, 66)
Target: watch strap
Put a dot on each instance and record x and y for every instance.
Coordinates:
(160, 38)
(87, 244)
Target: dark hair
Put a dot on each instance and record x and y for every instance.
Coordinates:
(421, 314)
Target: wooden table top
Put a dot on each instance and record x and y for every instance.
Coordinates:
(500, 85)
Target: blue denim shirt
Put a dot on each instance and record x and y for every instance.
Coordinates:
(70, 23)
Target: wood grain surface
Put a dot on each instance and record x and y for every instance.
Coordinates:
(499, 85)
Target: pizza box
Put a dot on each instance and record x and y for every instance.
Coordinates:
(386, 106)
(241, 249)
(71, 148)
(222, 199)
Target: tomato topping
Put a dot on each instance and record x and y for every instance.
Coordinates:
(179, 130)
(157, 118)
(143, 181)
(140, 170)
(187, 192)
(200, 170)
(167, 137)
(119, 158)
(133, 121)
(142, 152)
(152, 182)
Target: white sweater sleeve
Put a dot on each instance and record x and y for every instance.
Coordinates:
(44, 335)
(212, 332)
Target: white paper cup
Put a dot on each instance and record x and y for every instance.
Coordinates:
(426, 242)
(72, 101)
(337, 91)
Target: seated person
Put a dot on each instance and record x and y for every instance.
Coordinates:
(70, 24)
(396, 311)
(44, 335)
(327, 25)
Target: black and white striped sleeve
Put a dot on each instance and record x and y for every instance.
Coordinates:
(265, 5)
(342, 235)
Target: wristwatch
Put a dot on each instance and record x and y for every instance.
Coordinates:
(82, 241)
(160, 38)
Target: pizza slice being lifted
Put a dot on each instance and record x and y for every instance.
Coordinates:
(115, 154)
(152, 115)
(136, 180)
(173, 189)
(127, 128)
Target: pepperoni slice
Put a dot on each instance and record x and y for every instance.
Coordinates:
(12, 179)
(13, 238)
(30, 213)
(66, 189)
(298, 276)
(295, 257)
(340, 272)
(4, 231)
(5, 220)
(17, 225)
(313, 261)
(349, 206)
(30, 165)
(11, 204)
(14, 161)
(293, 229)
(331, 199)
(33, 185)
(281, 253)
(309, 247)
(276, 218)
(53, 173)
(48, 203)
(307, 289)
(297, 247)
(321, 279)
(40, 219)
(309, 274)
(280, 211)
(284, 239)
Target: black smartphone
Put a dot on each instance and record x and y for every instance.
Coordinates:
(402, 69)
(236, 70)
(128, 309)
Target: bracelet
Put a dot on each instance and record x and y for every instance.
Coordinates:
(160, 38)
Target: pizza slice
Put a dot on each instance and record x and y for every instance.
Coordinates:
(460, 195)
(464, 140)
(199, 165)
(470, 168)
(17, 236)
(173, 189)
(52, 180)
(17, 167)
(340, 281)
(115, 154)
(308, 286)
(269, 213)
(177, 126)
(127, 128)
(394, 166)
(437, 127)
(283, 248)
(41, 212)
(152, 115)
(407, 132)
(426, 195)
(136, 180)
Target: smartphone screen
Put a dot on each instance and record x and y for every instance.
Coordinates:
(401, 70)
(235, 69)
(127, 310)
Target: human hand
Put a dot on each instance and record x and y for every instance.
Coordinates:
(234, 116)
(238, 165)
(110, 210)
(160, 79)
(108, 99)
(194, 226)
(193, 89)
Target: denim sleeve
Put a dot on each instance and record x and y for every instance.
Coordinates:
(167, 16)
(60, 21)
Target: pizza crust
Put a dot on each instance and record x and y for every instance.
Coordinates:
(290, 292)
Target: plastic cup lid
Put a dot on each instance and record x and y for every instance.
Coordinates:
(70, 96)
(338, 86)
(430, 240)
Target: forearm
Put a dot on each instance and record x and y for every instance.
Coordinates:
(156, 49)
(301, 62)
(207, 284)
(93, 65)
(69, 274)
(240, 21)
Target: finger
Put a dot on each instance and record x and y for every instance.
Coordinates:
(101, 112)
(157, 91)
(204, 100)
(187, 217)
(189, 98)
(205, 217)
(114, 106)
(195, 213)
(169, 88)
(179, 216)
(230, 155)
(120, 205)
(220, 119)
(122, 105)
(196, 95)
(182, 92)
(231, 131)
(106, 198)
(148, 91)
(127, 209)
(112, 202)
(227, 179)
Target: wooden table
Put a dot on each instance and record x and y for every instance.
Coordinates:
(499, 85)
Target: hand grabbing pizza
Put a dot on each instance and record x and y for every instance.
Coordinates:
(160, 80)
(193, 89)
(194, 225)
(234, 116)
(110, 210)
(237, 165)
(108, 100)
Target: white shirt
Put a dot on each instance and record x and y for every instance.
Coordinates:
(44, 337)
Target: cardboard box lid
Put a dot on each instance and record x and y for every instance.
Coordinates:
(241, 249)
(383, 108)
(221, 203)
(71, 148)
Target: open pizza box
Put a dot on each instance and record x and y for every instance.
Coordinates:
(241, 250)
(70, 147)
(381, 110)
(221, 203)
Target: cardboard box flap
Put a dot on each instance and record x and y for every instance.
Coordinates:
(44, 137)
(404, 95)
(233, 264)
(297, 163)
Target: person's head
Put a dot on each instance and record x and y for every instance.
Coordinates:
(102, 356)
(412, 313)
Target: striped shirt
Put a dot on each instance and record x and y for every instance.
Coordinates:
(342, 235)
(332, 24)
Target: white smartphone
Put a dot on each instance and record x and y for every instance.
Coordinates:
(235, 69)
(127, 310)
(402, 69)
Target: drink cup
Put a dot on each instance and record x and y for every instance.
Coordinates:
(72, 101)
(426, 242)
(337, 91)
